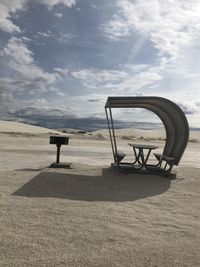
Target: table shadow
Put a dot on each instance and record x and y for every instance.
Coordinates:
(109, 186)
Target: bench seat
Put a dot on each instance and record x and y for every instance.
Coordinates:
(169, 162)
(119, 156)
(164, 157)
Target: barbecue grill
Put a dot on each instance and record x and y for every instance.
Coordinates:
(59, 141)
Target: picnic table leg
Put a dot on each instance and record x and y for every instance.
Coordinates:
(137, 158)
(147, 157)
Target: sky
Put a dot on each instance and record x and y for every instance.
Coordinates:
(65, 57)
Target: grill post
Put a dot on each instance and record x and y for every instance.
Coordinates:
(58, 153)
(59, 140)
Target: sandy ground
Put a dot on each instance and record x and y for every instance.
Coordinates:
(90, 215)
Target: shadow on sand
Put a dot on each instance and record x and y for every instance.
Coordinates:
(109, 186)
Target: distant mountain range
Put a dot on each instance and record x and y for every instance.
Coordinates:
(56, 119)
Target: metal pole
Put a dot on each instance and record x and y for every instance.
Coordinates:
(113, 133)
(108, 121)
(58, 153)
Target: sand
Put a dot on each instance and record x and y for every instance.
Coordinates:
(90, 215)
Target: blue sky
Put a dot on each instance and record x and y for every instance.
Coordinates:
(64, 57)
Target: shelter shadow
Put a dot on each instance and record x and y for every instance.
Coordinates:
(107, 187)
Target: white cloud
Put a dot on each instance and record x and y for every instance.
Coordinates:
(116, 29)
(63, 37)
(189, 107)
(51, 3)
(7, 25)
(38, 103)
(143, 80)
(82, 103)
(59, 15)
(7, 7)
(21, 60)
(118, 82)
(169, 25)
(63, 71)
(26, 75)
(173, 28)
(44, 34)
(17, 50)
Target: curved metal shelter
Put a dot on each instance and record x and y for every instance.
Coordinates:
(171, 115)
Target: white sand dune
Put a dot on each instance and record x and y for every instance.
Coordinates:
(18, 127)
(155, 134)
(90, 215)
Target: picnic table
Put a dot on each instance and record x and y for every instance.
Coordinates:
(141, 157)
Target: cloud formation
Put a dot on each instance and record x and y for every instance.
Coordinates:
(125, 82)
(51, 3)
(67, 53)
(20, 59)
(26, 75)
(9, 7)
(6, 8)
(169, 25)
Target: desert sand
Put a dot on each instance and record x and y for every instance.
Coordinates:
(90, 215)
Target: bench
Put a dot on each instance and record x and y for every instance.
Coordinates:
(119, 156)
(169, 161)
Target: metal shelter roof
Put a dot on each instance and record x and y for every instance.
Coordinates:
(171, 115)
